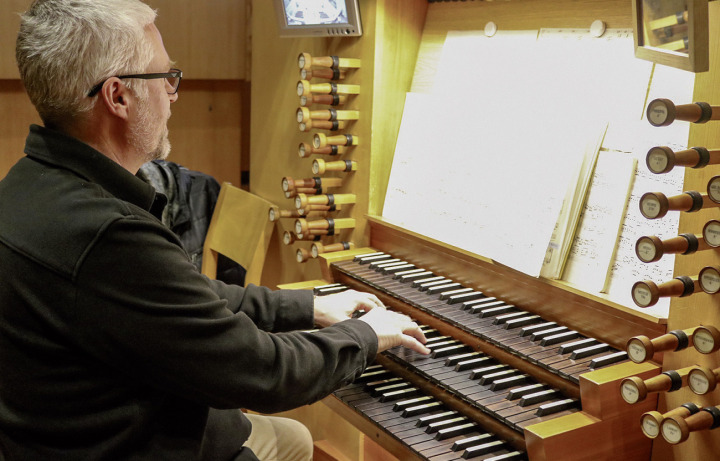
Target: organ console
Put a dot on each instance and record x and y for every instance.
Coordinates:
(662, 112)
(651, 421)
(677, 429)
(647, 293)
(655, 205)
(320, 166)
(307, 61)
(634, 389)
(305, 150)
(495, 365)
(651, 249)
(662, 159)
(641, 348)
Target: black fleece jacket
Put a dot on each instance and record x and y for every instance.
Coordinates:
(113, 346)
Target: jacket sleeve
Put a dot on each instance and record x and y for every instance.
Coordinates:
(142, 308)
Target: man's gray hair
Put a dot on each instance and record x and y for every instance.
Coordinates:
(65, 47)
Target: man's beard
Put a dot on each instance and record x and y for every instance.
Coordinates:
(145, 139)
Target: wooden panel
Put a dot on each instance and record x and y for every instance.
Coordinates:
(9, 24)
(208, 39)
(207, 127)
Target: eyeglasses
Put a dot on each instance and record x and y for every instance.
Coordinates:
(173, 79)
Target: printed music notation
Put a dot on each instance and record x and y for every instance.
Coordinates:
(488, 172)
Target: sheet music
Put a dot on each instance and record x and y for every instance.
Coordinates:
(593, 249)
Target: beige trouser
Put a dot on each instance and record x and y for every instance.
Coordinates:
(279, 439)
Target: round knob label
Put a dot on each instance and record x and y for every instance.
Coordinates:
(641, 295)
(711, 233)
(650, 207)
(710, 281)
(671, 431)
(703, 341)
(657, 161)
(657, 113)
(650, 427)
(636, 352)
(629, 392)
(699, 383)
(646, 250)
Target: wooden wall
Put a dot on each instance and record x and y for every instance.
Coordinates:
(210, 123)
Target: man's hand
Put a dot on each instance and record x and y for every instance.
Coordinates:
(393, 329)
(337, 307)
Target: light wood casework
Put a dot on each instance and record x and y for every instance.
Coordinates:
(701, 308)
(387, 52)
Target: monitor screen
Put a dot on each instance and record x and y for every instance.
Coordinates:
(323, 18)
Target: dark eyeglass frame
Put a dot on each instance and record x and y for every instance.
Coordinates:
(174, 73)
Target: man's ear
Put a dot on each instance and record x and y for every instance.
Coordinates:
(115, 96)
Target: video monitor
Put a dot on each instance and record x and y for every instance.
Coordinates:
(318, 18)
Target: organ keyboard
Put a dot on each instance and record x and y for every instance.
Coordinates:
(506, 357)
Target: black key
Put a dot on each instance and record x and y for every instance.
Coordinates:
(609, 359)
(505, 383)
(569, 347)
(554, 407)
(482, 449)
(480, 372)
(501, 319)
(512, 456)
(415, 276)
(589, 351)
(522, 321)
(521, 391)
(539, 327)
(448, 351)
(491, 377)
(537, 397)
(455, 359)
(366, 258)
(399, 394)
(404, 404)
(559, 338)
(441, 288)
(455, 431)
(396, 269)
(471, 441)
(449, 294)
(421, 409)
(473, 363)
(437, 425)
(464, 297)
(425, 420)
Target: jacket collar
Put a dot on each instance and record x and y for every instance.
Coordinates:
(63, 151)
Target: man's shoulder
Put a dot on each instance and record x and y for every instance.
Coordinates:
(53, 215)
